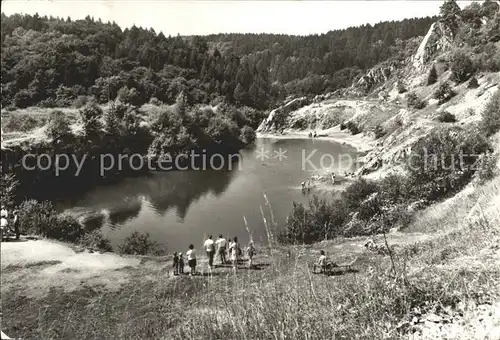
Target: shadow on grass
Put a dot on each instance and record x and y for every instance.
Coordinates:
(339, 272)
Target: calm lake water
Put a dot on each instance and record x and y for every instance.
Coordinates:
(181, 207)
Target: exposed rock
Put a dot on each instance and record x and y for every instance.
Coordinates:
(438, 39)
(269, 123)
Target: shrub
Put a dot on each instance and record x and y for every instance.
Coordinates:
(21, 122)
(95, 240)
(446, 117)
(473, 84)
(80, 101)
(401, 88)
(444, 93)
(91, 115)
(138, 244)
(353, 128)
(343, 126)
(8, 184)
(490, 122)
(433, 76)
(462, 67)
(443, 161)
(319, 221)
(487, 167)
(358, 191)
(247, 135)
(59, 126)
(41, 218)
(379, 132)
(413, 101)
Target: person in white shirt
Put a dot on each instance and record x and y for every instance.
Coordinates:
(234, 249)
(3, 227)
(321, 262)
(3, 212)
(191, 256)
(210, 248)
(221, 248)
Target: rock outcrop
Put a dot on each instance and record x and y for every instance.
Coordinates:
(272, 122)
(438, 39)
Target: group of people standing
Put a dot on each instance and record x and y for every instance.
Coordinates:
(220, 247)
(9, 223)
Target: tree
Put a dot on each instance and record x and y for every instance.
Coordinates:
(462, 67)
(449, 12)
(433, 76)
(91, 116)
(58, 126)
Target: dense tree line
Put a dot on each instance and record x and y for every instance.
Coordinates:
(52, 61)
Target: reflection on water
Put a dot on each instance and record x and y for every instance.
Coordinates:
(182, 207)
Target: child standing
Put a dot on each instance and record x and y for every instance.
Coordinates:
(176, 264)
(181, 264)
(250, 253)
(191, 255)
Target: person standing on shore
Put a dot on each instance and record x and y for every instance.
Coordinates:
(176, 264)
(234, 251)
(250, 254)
(191, 255)
(15, 224)
(181, 264)
(221, 248)
(210, 248)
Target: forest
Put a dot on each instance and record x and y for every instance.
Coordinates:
(55, 62)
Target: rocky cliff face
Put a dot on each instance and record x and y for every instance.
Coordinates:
(278, 116)
(438, 39)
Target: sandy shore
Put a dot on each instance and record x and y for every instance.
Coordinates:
(360, 142)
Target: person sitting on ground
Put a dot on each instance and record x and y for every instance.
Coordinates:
(221, 248)
(321, 262)
(176, 264)
(210, 248)
(181, 264)
(250, 254)
(191, 255)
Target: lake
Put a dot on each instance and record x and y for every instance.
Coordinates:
(181, 207)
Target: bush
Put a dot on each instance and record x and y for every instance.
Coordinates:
(353, 128)
(462, 67)
(95, 240)
(473, 84)
(414, 102)
(8, 184)
(80, 101)
(59, 126)
(433, 76)
(358, 191)
(343, 126)
(446, 117)
(443, 161)
(247, 135)
(40, 218)
(20, 122)
(444, 93)
(379, 132)
(138, 244)
(91, 115)
(401, 88)
(490, 122)
(319, 221)
(487, 167)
